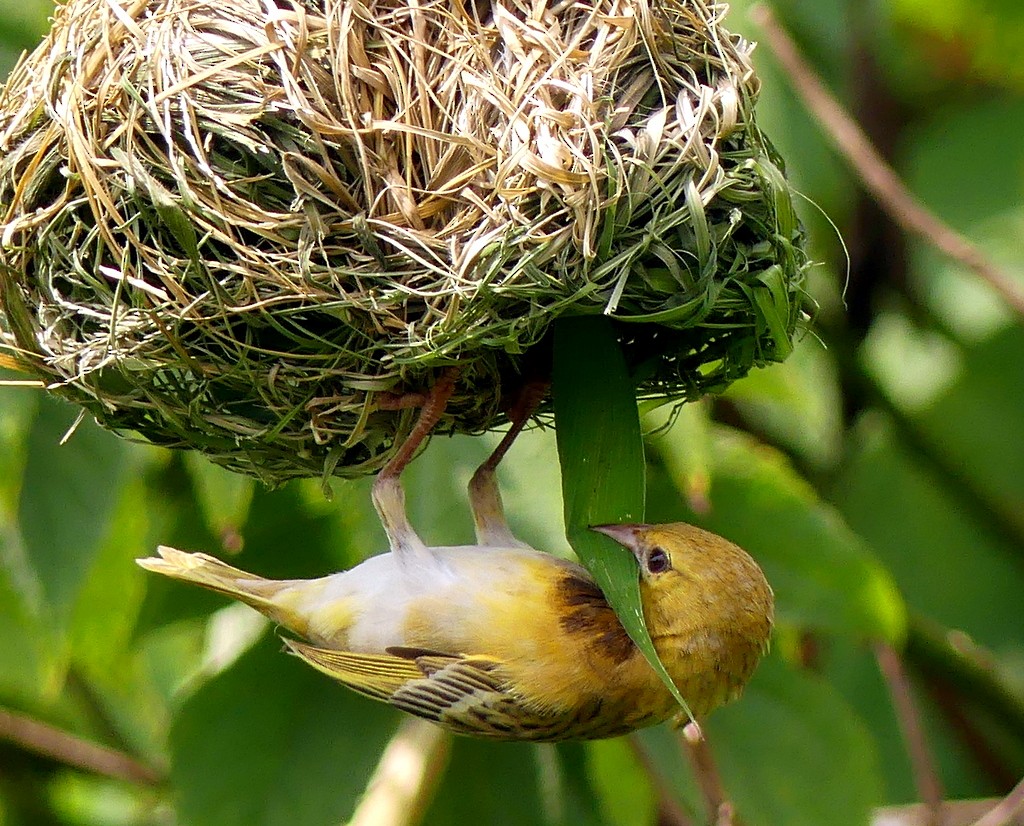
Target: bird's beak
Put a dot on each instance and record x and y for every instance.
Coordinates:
(626, 535)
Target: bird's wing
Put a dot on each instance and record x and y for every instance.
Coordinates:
(376, 675)
(467, 694)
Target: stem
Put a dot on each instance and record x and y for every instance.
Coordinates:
(720, 811)
(926, 778)
(71, 750)
(877, 176)
(409, 770)
(1006, 809)
(670, 813)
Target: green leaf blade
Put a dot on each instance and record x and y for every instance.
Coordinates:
(69, 494)
(601, 454)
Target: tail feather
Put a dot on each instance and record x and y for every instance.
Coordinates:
(210, 573)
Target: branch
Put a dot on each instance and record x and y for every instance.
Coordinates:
(406, 776)
(877, 176)
(957, 813)
(720, 811)
(71, 750)
(926, 778)
(670, 813)
(1007, 810)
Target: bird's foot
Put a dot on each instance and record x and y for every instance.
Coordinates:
(388, 495)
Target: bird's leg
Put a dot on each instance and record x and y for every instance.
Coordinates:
(388, 495)
(484, 496)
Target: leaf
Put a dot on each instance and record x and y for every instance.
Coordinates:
(104, 614)
(577, 797)
(623, 788)
(796, 403)
(947, 561)
(976, 420)
(691, 468)
(438, 504)
(270, 742)
(68, 496)
(791, 751)
(493, 783)
(31, 660)
(772, 302)
(224, 497)
(514, 784)
(600, 451)
(824, 575)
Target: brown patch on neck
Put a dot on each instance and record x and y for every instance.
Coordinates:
(584, 610)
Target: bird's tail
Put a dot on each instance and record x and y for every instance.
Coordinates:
(265, 595)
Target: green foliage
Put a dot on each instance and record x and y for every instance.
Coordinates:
(537, 785)
(67, 501)
(877, 476)
(789, 719)
(269, 742)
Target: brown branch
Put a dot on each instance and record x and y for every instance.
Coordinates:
(878, 177)
(71, 750)
(926, 778)
(1006, 810)
(720, 811)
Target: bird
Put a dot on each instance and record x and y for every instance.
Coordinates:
(502, 641)
(512, 643)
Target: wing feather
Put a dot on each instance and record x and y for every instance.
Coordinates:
(465, 694)
(376, 675)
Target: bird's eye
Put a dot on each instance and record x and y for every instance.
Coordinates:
(658, 561)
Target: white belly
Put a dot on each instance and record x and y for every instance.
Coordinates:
(378, 595)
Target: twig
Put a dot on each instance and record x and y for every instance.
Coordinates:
(670, 813)
(957, 812)
(926, 778)
(720, 811)
(71, 750)
(878, 177)
(406, 776)
(1005, 810)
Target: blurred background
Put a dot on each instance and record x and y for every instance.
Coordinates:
(878, 477)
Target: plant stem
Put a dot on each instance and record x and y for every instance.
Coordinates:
(720, 811)
(929, 787)
(71, 750)
(409, 770)
(877, 176)
(1005, 810)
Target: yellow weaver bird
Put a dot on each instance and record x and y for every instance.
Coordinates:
(500, 640)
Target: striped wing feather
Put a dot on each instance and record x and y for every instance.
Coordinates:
(376, 675)
(464, 694)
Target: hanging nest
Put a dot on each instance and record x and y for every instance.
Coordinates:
(231, 226)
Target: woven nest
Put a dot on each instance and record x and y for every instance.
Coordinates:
(231, 225)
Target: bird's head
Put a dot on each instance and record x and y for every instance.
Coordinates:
(695, 584)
